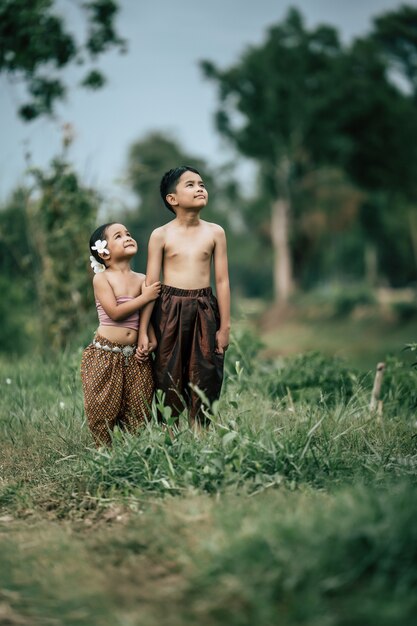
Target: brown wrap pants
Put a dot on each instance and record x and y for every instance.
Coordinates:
(185, 323)
(118, 390)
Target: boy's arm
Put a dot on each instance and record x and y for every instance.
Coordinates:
(221, 275)
(104, 293)
(154, 265)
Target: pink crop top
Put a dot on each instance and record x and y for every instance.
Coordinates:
(129, 322)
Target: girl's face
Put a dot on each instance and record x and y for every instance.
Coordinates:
(120, 242)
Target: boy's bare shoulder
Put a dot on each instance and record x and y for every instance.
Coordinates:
(158, 235)
(216, 229)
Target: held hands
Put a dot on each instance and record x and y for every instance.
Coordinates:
(222, 341)
(145, 347)
(152, 292)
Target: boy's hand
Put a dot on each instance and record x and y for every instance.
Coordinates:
(152, 345)
(152, 292)
(222, 341)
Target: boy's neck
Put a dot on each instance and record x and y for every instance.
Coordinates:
(185, 217)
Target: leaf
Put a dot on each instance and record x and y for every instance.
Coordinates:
(228, 437)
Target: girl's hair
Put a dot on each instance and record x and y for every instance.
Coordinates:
(99, 233)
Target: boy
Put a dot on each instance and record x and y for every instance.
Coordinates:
(191, 326)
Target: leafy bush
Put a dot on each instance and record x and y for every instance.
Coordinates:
(313, 377)
(399, 386)
(346, 299)
(16, 333)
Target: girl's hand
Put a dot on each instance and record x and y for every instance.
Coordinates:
(143, 344)
(141, 355)
(151, 292)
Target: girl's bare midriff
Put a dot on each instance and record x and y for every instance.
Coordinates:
(118, 334)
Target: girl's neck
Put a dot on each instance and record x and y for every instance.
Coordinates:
(120, 266)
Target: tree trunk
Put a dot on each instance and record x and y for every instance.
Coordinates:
(282, 270)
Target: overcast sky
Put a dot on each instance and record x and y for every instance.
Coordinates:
(158, 84)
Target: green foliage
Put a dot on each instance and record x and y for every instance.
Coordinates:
(60, 223)
(49, 586)
(400, 384)
(310, 557)
(283, 506)
(350, 561)
(244, 349)
(19, 319)
(16, 329)
(312, 377)
(338, 108)
(15, 252)
(276, 118)
(36, 44)
(395, 32)
(347, 298)
(304, 421)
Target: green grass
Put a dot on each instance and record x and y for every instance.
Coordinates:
(296, 506)
(363, 343)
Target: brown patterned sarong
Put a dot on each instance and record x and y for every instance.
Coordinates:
(185, 323)
(118, 389)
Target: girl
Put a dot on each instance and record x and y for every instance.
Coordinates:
(117, 387)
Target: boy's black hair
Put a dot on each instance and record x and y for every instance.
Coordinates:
(99, 233)
(170, 179)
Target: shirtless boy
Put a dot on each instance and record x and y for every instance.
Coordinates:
(191, 325)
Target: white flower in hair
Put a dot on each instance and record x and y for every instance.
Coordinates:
(100, 246)
(97, 267)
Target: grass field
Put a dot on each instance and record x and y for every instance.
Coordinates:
(296, 506)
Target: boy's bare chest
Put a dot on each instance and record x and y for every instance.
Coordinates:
(189, 248)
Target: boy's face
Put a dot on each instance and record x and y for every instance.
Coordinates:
(190, 192)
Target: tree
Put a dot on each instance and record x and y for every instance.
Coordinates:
(269, 108)
(396, 34)
(36, 45)
(379, 121)
(61, 214)
(300, 102)
(18, 294)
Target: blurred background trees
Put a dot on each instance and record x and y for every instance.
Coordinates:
(301, 103)
(330, 127)
(46, 286)
(61, 213)
(36, 45)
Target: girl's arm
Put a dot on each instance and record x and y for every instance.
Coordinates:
(105, 295)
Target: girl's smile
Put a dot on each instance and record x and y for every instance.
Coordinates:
(120, 241)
